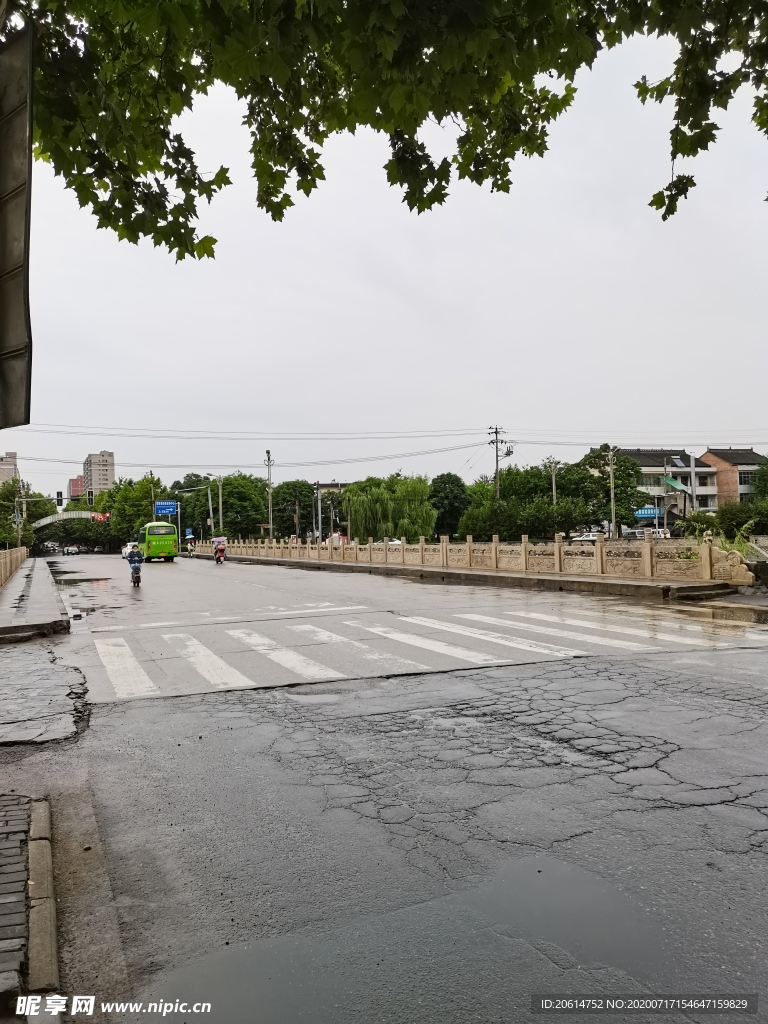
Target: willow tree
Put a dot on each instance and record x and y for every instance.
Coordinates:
(396, 507)
(112, 76)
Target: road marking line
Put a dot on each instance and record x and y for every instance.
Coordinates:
(653, 635)
(415, 640)
(138, 625)
(210, 666)
(126, 675)
(684, 619)
(324, 636)
(315, 611)
(495, 638)
(292, 660)
(627, 645)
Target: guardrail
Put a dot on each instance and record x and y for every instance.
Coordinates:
(10, 561)
(628, 559)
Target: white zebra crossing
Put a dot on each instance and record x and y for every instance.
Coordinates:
(290, 659)
(210, 666)
(126, 675)
(495, 638)
(386, 661)
(626, 645)
(629, 630)
(429, 644)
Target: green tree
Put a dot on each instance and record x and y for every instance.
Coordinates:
(449, 498)
(284, 498)
(626, 475)
(133, 506)
(761, 480)
(15, 494)
(732, 516)
(112, 77)
(396, 507)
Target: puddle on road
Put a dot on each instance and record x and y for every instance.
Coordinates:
(472, 955)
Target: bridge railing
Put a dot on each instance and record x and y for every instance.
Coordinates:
(10, 561)
(681, 560)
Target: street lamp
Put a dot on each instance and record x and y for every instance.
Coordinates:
(269, 463)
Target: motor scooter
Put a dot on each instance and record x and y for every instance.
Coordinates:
(219, 554)
(136, 574)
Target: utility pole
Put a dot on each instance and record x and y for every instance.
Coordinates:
(319, 514)
(666, 503)
(497, 439)
(314, 518)
(552, 465)
(611, 468)
(221, 508)
(210, 511)
(269, 463)
(298, 526)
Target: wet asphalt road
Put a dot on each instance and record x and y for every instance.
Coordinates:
(401, 844)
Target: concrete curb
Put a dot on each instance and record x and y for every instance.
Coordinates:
(650, 590)
(43, 956)
(27, 630)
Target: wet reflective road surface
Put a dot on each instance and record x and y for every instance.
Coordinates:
(314, 797)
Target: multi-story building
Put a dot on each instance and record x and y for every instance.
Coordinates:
(736, 469)
(659, 466)
(99, 472)
(76, 487)
(8, 467)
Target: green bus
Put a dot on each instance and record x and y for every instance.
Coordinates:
(158, 540)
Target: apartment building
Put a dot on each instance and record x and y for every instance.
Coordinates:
(75, 487)
(9, 467)
(661, 469)
(736, 469)
(99, 472)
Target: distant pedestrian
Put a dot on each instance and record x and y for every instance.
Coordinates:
(190, 548)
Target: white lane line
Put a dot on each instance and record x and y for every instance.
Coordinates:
(324, 636)
(566, 634)
(126, 675)
(210, 666)
(316, 611)
(415, 640)
(138, 625)
(495, 638)
(633, 631)
(677, 618)
(292, 660)
(265, 617)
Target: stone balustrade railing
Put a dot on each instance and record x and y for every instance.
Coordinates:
(674, 560)
(10, 561)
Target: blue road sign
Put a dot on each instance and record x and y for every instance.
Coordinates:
(165, 508)
(188, 533)
(647, 512)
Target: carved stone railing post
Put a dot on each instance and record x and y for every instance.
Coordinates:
(469, 551)
(600, 554)
(444, 540)
(705, 556)
(647, 553)
(558, 552)
(524, 551)
(495, 551)
(421, 551)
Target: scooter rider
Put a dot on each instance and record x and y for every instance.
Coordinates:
(134, 557)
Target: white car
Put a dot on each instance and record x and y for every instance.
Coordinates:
(72, 550)
(126, 548)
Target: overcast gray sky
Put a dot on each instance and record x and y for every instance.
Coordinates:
(566, 311)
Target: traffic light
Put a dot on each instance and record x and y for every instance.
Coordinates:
(107, 515)
(93, 517)
(90, 497)
(59, 498)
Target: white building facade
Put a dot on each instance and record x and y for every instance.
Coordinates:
(99, 472)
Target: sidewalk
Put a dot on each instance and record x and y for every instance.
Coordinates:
(642, 589)
(30, 604)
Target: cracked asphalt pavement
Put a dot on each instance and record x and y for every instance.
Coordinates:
(433, 846)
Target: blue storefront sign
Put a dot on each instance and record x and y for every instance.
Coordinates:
(647, 512)
(165, 508)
